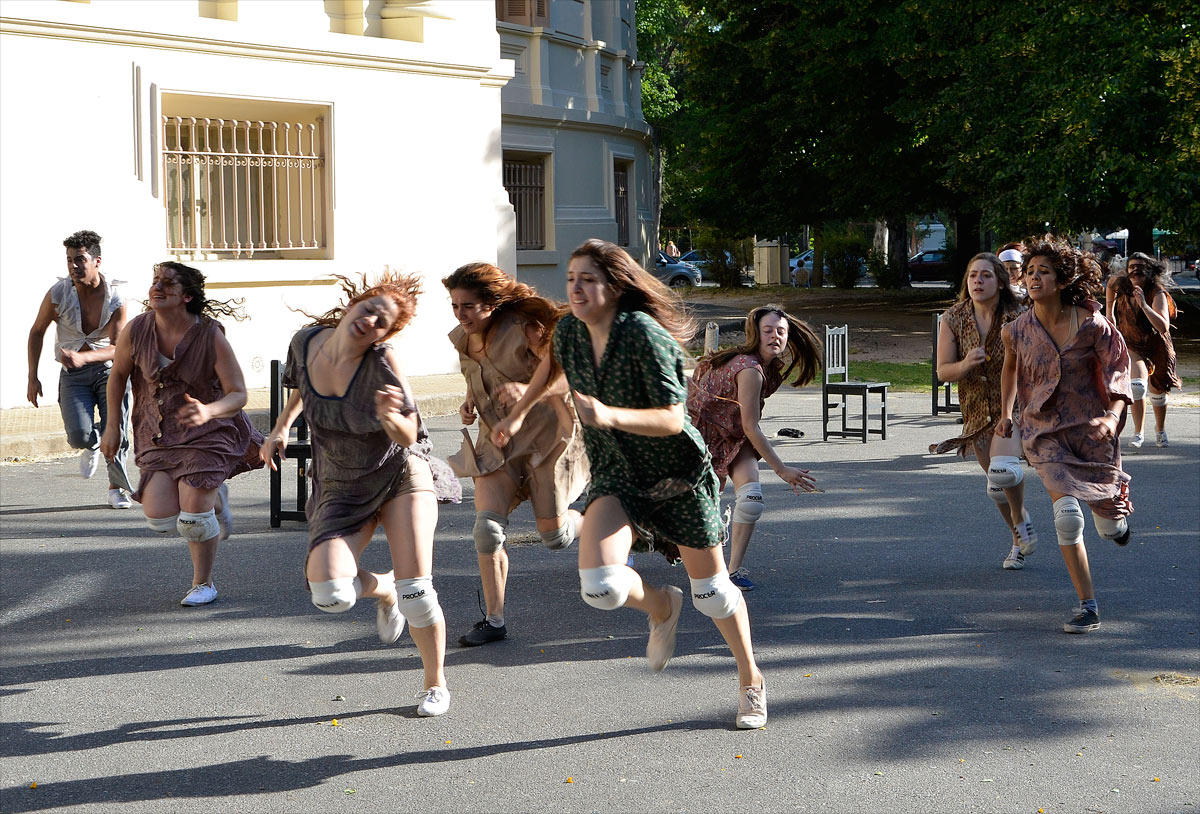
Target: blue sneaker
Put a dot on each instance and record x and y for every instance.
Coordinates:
(741, 578)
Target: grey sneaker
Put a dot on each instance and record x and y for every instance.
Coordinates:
(89, 462)
(1083, 621)
(1015, 560)
(1160, 439)
(1138, 440)
(224, 515)
(661, 646)
(434, 701)
(118, 499)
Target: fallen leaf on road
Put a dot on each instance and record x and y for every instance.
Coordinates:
(334, 722)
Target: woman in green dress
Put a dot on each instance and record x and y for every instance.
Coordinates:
(652, 482)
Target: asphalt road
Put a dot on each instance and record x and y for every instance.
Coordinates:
(905, 670)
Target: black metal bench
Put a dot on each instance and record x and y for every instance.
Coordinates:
(299, 451)
(941, 389)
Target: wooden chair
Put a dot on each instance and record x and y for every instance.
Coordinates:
(299, 450)
(837, 386)
(948, 404)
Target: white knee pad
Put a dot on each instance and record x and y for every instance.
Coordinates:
(418, 602)
(1158, 399)
(489, 532)
(716, 597)
(1108, 528)
(1068, 521)
(163, 525)
(996, 493)
(336, 595)
(748, 506)
(1138, 386)
(1005, 471)
(561, 537)
(196, 527)
(606, 587)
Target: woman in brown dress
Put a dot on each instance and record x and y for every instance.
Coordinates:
(971, 352)
(189, 432)
(503, 334)
(1137, 302)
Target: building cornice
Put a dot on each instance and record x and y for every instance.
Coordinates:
(590, 121)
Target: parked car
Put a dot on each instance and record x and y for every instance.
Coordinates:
(674, 272)
(929, 266)
(700, 261)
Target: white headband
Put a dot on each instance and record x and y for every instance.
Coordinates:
(1010, 254)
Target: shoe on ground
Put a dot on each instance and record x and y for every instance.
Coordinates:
(1026, 535)
(1083, 621)
(200, 595)
(1124, 538)
(661, 646)
(1160, 439)
(741, 579)
(118, 499)
(89, 462)
(224, 515)
(1138, 440)
(752, 707)
(483, 633)
(434, 701)
(1015, 560)
(388, 621)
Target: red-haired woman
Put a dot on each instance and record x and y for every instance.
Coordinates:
(503, 334)
(725, 401)
(370, 467)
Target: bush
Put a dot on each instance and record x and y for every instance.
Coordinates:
(884, 275)
(844, 258)
(726, 257)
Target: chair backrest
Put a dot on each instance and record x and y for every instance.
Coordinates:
(837, 353)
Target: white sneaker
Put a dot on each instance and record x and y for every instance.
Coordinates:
(1138, 440)
(118, 499)
(89, 462)
(389, 622)
(752, 707)
(200, 594)
(1015, 560)
(1026, 535)
(661, 646)
(224, 515)
(434, 701)
(1160, 439)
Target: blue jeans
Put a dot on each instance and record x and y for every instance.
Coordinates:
(80, 392)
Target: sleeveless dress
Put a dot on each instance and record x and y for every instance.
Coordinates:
(1156, 348)
(546, 459)
(714, 410)
(356, 467)
(203, 457)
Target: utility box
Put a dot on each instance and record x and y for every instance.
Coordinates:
(771, 262)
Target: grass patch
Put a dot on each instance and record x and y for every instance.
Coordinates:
(906, 377)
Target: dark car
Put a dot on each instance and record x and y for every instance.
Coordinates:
(673, 272)
(929, 266)
(700, 261)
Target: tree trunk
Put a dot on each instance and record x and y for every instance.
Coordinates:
(817, 277)
(967, 243)
(1141, 239)
(656, 171)
(897, 248)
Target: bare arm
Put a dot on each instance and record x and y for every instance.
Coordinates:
(1157, 312)
(118, 379)
(1008, 387)
(949, 367)
(400, 421)
(503, 432)
(79, 358)
(749, 393)
(195, 413)
(655, 422)
(1110, 296)
(37, 335)
(278, 439)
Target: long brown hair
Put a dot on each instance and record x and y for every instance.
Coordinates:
(402, 289)
(191, 280)
(638, 289)
(503, 294)
(1008, 300)
(1079, 270)
(804, 347)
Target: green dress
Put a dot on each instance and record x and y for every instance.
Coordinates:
(666, 485)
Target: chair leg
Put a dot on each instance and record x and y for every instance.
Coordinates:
(865, 417)
(883, 414)
(824, 417)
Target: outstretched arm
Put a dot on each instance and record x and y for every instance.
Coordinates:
(118, 378)
(749, 395)
(37, 335)
(1008, 387)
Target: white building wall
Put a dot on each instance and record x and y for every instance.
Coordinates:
(414, 156)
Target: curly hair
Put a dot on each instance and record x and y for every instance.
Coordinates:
(402, 289)
(1008, 300)
(84, 239)
(503, 294)
(1080, 271)
(638, 289)
(804, 347)
(192, 282)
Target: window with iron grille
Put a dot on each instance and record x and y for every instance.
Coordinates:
(245, 187)
(621, 193)
(525, 181)
(525, 12)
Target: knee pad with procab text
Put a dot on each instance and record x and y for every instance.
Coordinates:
(716, 597)
(748, 506)
(1138, 386)
(1068, 521)
(196, 527)
(1158, 399)
(418, 601)
(606, 587)
(336, 595)
(1005, 471)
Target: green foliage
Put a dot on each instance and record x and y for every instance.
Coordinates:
(727, 257)
(883, 273)
(844, 253)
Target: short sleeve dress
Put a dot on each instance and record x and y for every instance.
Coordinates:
(1059, 390)
(979, 390)
(356, 467)
(666, 485)
(546, 459)
(1156, 348)
(204, 456)
(714, 410)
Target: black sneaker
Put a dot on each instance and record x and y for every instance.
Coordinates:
(1124, 538)
(1085, 620)
(483, 633)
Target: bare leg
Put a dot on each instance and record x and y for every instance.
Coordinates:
(1160, 414)
(494, 493)
(1076, 559)
(605, 540)
(702, 563)
(1138, 408)
(743, 470)
(204, 553)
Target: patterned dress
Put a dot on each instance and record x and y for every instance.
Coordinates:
(1156, 348)
(546, 459)
(714, 410)
(1059, 391)
(666, 485)
(979, 390)
(356, 467)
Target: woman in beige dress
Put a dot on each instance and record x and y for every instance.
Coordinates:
(503, 334)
